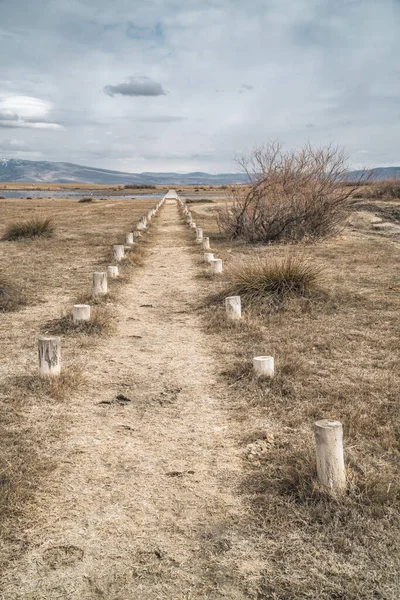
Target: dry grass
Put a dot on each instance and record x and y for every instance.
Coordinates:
(100, 323)
(33, 228)
(51, 273)
(381, 190)
(11, 297)
(334, 359)
(259, 279)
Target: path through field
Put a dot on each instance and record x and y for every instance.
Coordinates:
(142, 500)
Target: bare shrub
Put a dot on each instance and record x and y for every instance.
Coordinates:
(385, 190)
(293, 195)
(29, 229)
(85, 199)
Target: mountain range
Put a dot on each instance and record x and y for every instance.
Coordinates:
(29, 171)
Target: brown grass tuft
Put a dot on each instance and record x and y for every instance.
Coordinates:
(100, 322)
(259, 279)
(29, 229)
(11, 297)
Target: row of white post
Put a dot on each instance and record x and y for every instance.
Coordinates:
(328, 434)
(49, 348)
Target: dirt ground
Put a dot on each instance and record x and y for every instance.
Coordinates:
(141, 488)
(165, 470)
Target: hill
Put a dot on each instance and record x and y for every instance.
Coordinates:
(30, 171)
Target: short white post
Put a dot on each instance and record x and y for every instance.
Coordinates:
(199, 235)
(208, 256)
(112, 272)
(264, 366)
(330, 460)
(99, 284)
(233, 308)
(81, 312)
(206, 243)
(119, 251)
(129, 238)
(216, 266)
(193, 225)
(49, 350)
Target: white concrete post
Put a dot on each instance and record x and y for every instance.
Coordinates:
(216, 266)
(264, 366)
(233, 308)
(330, 460)
(206, 243)
(208, 256)
(49, 350)
(112, 272)
(119, 251)
(81, 312)
(199, 235)
(99, 284)
(129, 238)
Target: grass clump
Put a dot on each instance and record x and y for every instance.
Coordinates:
(86, 199)
(100, 321)
(11, 297)
(258, 279)
(29, 229)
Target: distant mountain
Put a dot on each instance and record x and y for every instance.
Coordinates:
(378, 173)
(30, 171)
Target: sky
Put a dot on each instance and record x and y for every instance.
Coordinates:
(188, 85)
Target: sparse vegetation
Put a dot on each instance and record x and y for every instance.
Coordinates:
(29, 229)
(139, 186)
(11, 297)
(294, 195)
(258, 279)
(100, 322)
(382, 190)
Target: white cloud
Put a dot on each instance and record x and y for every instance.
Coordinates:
(25, 112)
(295, 70)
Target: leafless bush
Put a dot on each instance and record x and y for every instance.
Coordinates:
(293, 195)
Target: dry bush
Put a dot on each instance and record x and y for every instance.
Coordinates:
(258, 279)
(86, 199)
(384, 190)
(11, 297)
(293, 195)
(198, 200)
(139, 186)
(29, 229)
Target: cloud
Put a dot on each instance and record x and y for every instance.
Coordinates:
(12, 145)
(313, 74)
(136, 86)
(25, 112)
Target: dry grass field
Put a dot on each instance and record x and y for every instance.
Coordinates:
(337, 356)
(47, 277)
(157, 466)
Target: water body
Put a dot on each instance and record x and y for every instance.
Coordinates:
(45, 194)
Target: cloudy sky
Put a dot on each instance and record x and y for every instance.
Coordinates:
(185, 85)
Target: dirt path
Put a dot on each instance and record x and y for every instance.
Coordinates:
(142, 501)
